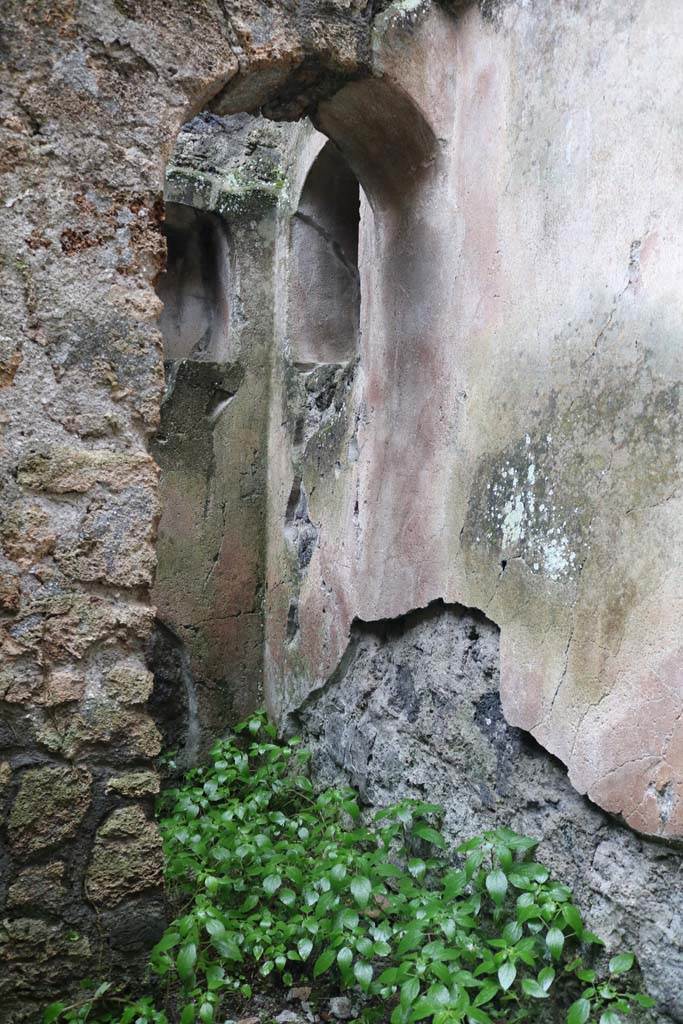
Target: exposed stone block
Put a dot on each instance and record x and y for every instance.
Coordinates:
(61, 687)
(10, 586)
(113, 543)
(50, 805)
(71, 624)
(126, 858)
(41, 887)
(38, 956)
(75, 470)
(5, 778)
(27, 534)
(21, 681)
(135, 784)
(130, 684)
(99, 723)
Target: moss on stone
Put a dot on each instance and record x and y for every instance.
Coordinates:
(135, 784)
(50, 804)
(126, 859)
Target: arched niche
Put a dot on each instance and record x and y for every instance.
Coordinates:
(324, 284)
(384, 137)
(195, 286)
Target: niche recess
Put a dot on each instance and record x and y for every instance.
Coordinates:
(324, 286)
(195, 285)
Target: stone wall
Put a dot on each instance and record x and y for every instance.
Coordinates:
(506, 436)
(93, 95)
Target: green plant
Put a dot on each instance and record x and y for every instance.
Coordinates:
(275, 881)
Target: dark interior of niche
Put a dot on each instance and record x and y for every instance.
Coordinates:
(195, 285)
(324, 296)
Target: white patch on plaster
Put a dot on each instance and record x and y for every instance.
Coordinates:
(556, 558)
(517, 524)
(513, 523)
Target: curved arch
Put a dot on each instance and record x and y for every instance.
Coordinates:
(383, 135)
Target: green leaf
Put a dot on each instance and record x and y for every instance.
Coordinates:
(410, 990)
(185, 961)
(512, 932)
(52, 1012)
(363, 974)
(167, 941)
(470, 844)
(227, 948)
(272, 883)
(487, 991)
(411, 940)
(507, 973)
(439, 994)
(344, 957)
(472, 863)
(610, 1017)
(430, 835)
(530, 987)
(621, 963)
(573, 918)
(497, 885)
(388, 871)
(524, 873)
(389, 977)
(528, 913)
(214, 977)
(477, 1016)
(352, 809)
(546, 977)
(579, 1012)
(324, 962)
(189, 1014)
(304, 946)
(361, 889)
(554, 940)
(348, 919)
(206, 1013)
(417, 867)
(454, 884)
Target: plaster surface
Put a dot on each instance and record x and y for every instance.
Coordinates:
(511, 439)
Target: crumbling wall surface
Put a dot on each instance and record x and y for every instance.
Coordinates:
(511, 439)
(414, 711)
(92, 96)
